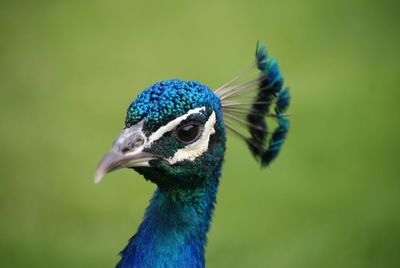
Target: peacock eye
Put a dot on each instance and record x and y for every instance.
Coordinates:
(188, 133)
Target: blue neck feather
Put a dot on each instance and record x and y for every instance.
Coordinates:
(173, 232)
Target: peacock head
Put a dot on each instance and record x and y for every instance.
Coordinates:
(174, 135)
(175, 130)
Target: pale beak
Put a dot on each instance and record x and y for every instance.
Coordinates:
(112, 161)
(127, 151)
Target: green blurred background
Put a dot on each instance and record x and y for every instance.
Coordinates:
(69, 69)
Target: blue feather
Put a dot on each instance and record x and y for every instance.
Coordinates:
(276, 141)
(283, 100)
(174, 230)
(270, 90)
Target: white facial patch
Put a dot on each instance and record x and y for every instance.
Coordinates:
(171, 125)
(196, 149)
(193, 150)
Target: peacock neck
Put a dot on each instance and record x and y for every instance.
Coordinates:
(173, 232)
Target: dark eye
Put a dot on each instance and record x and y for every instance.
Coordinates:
(188, 133)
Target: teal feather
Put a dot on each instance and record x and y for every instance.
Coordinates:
(270, 93)
(174, 230)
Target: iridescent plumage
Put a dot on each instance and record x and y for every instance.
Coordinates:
(175, 137)
(270, 100)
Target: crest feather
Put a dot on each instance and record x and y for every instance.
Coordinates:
(246, 107)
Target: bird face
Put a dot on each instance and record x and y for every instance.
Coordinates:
(174, 135)
(175, 132)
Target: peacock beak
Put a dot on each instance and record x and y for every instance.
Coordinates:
(127, 151)
(112, 161)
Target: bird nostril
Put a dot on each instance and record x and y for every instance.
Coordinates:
(125, 149)
(137, 142)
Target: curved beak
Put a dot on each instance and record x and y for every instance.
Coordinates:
(127, 151)
(113, 160)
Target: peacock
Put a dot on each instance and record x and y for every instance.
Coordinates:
(175, 136)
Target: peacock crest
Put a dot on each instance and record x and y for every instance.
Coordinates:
(247, 106)
(175, 136)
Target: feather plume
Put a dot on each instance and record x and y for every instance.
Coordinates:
(247, 105)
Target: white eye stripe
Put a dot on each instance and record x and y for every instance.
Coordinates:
(171, 125)
(196, 149)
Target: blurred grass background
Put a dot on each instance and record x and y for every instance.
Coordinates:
(69, 69)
